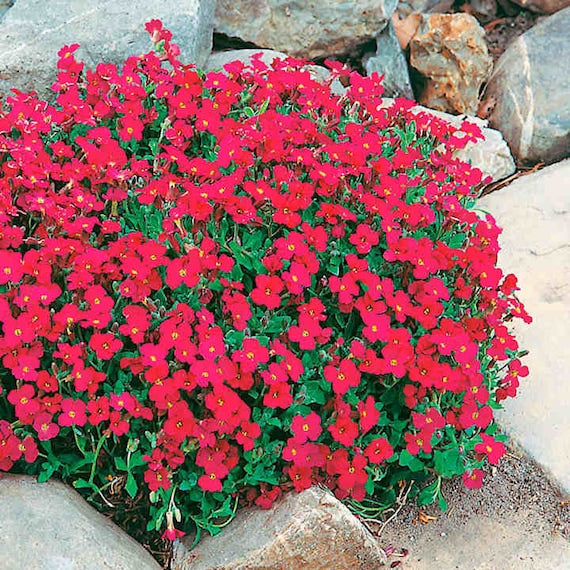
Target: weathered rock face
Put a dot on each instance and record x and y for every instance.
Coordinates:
(449, 50)
(390, 61)
(303, 29)
(33, 31)
(530, 90)
(311, 529)
(543, 6)
(48, 526)
(534, 212)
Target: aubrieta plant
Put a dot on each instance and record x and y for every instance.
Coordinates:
(218, 287)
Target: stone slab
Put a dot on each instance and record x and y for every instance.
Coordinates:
(534, 212)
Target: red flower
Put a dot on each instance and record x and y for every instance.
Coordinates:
(306, 332)
(473, 479)
(72, 413)
(493, 449)
(251, 355)
(378, 450)
(418, 441)
(278, 396)
(369, 415)
(343, 377)
(45, 427)
(246, 435)
(306, 427)
(105, 345)
(302, 477)
(344, 430)
(266, 292)
(118, 424)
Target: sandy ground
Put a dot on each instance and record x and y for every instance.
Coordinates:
(518, 520)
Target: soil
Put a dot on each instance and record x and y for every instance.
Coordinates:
(517, 502)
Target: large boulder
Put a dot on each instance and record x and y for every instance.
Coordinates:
(450, 52)
(304, 29)
(530, 90)
(534, 212)
(33, 31)
(543, 6)
(311, 529)
(48, 526)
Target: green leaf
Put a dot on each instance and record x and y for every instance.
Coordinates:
(428, 494)
(411, 462)
(121, 464)
(313, 393)
(131, 486)
(442, 503)
(448, 463)
(83, 484)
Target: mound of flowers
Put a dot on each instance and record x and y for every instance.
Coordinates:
(217, 287)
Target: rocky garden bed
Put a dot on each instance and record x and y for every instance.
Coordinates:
(257, 291)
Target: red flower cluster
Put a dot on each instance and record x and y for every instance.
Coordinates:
(242, 280)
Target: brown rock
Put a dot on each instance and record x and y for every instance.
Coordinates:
(543, 6)
(303, 29)
(311, 529)
(449, 50)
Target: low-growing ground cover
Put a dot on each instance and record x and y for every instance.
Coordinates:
(218, 287)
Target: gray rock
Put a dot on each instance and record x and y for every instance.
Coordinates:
(534, 212)
(530, 90)
(543, 6)
(390, 61)
(449, 50)
(33, 31)
(304, 29)
(486, 8)
(407, 7)
(48, 526)
(311, 529)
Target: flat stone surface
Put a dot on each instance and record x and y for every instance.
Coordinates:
(311, 529)
(33, 31)
(304, 29)
(48, 526)
(530, 90)
(534, 212)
